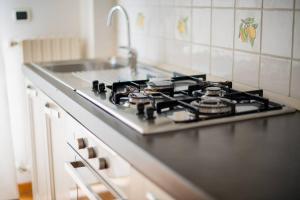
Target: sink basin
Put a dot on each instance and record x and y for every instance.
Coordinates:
(80, 66)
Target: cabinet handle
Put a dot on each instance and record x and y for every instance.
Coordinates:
(79, 181)
(31, 91)
(51, 111)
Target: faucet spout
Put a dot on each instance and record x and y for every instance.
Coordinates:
(124, 12)
(132, 54)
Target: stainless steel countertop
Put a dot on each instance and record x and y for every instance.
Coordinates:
(254, 159)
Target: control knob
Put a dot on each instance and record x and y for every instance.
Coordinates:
(150, 113)
(103, 163)
(91, 153)
(101, 87)
(95, 85)
(81, 143)
(140, 108)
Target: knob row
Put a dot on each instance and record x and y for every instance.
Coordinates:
(92, 154)
(148, 112)
(98, 87)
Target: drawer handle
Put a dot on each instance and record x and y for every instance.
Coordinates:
(31, 91)
(71, 169)
(51, 111)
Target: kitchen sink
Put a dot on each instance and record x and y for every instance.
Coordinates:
(67, 67)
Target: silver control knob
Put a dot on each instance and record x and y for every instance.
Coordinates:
(102, 164)
(91, 153)
(81, 143)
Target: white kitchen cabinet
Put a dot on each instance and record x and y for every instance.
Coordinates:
(49, 147)
(41, 176)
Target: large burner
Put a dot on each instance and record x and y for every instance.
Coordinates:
(213, 105)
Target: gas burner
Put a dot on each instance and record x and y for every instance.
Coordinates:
(213, 91)
(138, 97)
(213, 105)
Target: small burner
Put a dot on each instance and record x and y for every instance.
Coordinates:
(213, 105)
(213, 91)
(136, 98)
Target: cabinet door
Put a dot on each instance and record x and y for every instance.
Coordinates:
(57, 129)
(40, 158)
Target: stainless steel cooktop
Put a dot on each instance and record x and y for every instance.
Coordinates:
(150, 100)
(162, 103)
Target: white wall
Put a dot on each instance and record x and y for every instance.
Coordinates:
(50, 18)
(100, 39)
(8, 189)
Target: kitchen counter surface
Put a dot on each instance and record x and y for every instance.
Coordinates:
(247, 160)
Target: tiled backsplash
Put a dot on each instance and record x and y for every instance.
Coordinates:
(252, 42)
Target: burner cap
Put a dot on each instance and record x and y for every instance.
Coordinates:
(213, 91)
(213, 105)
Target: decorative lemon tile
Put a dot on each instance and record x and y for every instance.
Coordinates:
(183, 24)
(248, 28)
(140, 20)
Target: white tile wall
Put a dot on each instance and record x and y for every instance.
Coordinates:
(297, 35)
(275, 74)
(222, 36)
(178, 53)
(201, 58)
(297, 4)
(278, 4)
(246, 68)
(201, 25)
(249, 3)
(203, 3)
(295, 83)
(267, 56)
(277, 32)
(221, 63)
(223, 3)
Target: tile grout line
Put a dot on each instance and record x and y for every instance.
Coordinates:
(292, 51)
(261, 42)
(192, 34)
(234, 35)
(210, 38)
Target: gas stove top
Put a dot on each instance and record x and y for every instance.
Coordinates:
(157, 105)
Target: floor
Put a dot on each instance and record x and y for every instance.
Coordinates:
(25, 190)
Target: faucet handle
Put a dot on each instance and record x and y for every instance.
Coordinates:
(131, 51)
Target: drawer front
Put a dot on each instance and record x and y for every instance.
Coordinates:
(118, 173)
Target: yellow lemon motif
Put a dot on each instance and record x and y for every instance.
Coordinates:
(140, 21)
(182, 26)
(247, 32)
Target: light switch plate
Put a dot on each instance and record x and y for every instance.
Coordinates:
(22, 15)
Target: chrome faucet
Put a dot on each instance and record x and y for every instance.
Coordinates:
(132, 54)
